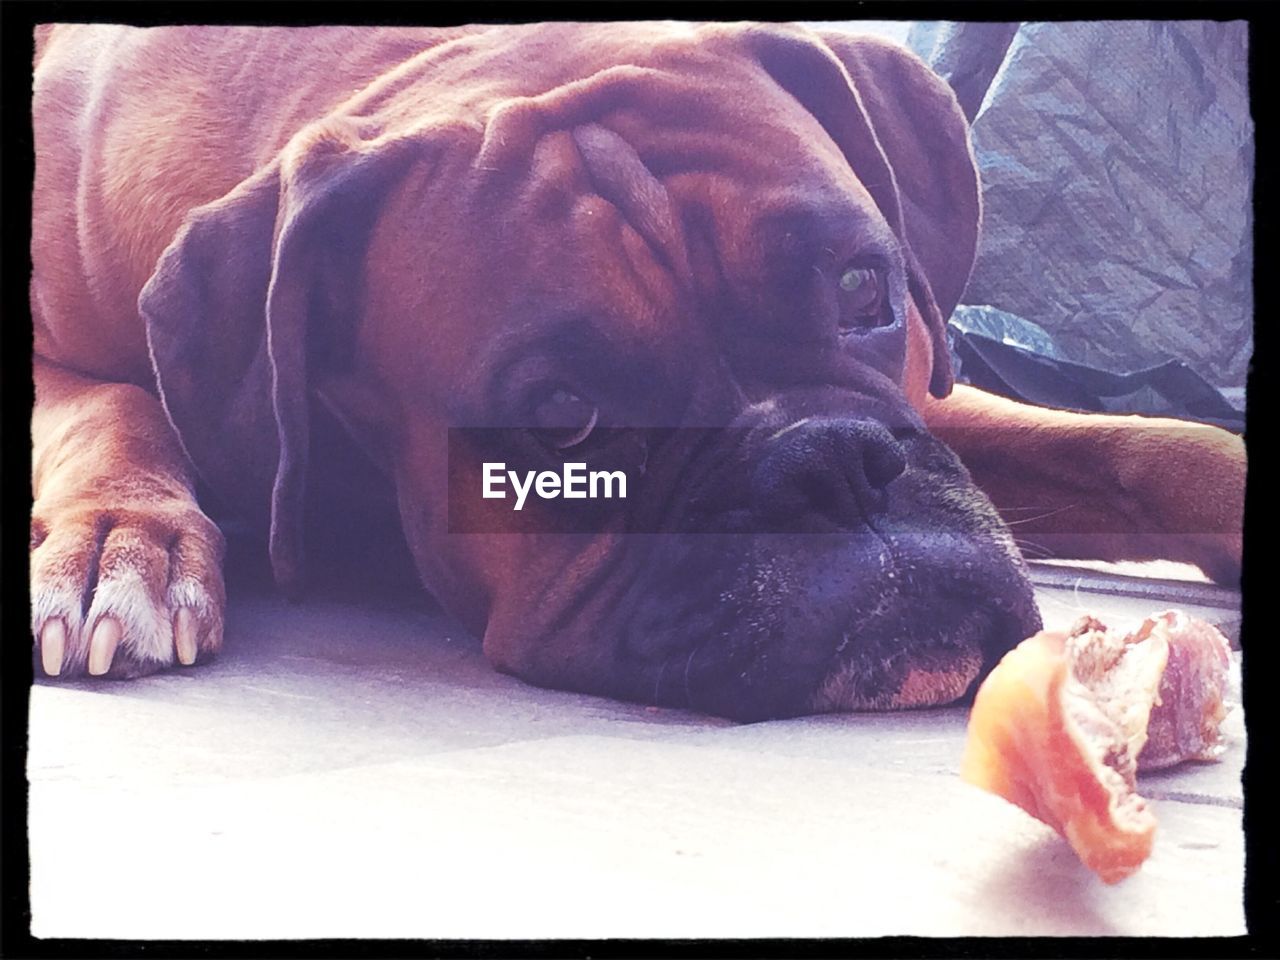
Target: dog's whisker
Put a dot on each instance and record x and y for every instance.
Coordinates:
(1075, 608)
(1032, 549)
(688, 693)
(1040, 516)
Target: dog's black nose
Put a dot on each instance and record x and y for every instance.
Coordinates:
(820, 473)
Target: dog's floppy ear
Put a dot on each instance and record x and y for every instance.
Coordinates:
(256, 287)
(904, 135)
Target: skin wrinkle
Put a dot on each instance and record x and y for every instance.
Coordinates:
(620, 176)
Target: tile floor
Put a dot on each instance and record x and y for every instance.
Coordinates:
(349, 771)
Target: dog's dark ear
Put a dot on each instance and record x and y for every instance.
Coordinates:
(904, 135)
(257, 287)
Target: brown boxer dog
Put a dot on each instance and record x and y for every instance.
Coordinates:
(242, 237)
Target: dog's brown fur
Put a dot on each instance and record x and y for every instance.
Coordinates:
(136, 130)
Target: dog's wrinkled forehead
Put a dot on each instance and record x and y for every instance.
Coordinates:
(692, 176)
(669, 195)
(768, 186)
(676, 110)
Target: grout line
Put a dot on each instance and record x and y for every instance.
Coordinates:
(1197, 799)
(1094, 581)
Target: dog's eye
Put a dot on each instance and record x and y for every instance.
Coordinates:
(565, 418)
(862, 298)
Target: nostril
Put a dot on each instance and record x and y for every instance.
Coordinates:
(883, 459)
(832, 471)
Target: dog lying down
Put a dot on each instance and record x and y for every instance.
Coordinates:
(297, 273)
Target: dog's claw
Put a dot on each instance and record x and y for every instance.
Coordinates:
(53, 644)
(146, 597)
(184, 636)
(102, 646)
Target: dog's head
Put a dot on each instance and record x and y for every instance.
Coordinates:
(723, 255)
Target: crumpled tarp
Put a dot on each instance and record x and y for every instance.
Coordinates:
(1012, 357)
(1117, 167)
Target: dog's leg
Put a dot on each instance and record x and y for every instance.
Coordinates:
(126, 571)
(1101, 486)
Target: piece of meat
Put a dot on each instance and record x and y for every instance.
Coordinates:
(1187, 719)
(1060, 725)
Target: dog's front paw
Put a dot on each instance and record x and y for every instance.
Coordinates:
(124, 592)
(1211, 502)
(1185, 485)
